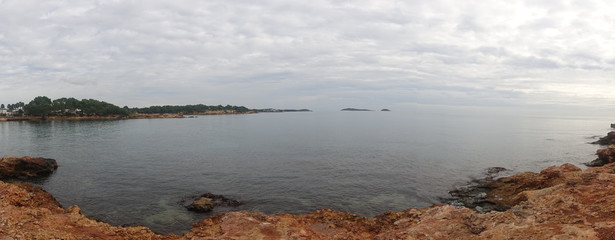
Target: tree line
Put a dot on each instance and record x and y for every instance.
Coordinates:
(44, 106)
(190, 109)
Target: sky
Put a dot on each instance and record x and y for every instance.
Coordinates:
(318, 54)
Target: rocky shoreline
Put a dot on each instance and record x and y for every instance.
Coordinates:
(559, 202)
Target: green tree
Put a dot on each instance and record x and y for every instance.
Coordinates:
(66, 106)
(40, 106)
(92, 107)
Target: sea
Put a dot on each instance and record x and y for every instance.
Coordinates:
(140, 172)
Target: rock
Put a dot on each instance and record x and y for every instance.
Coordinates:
(495, 170)
(506, 191)
(605, 156)
(26, 167)
(473, 195)
(606, 140)
(28, 212)
(207, 201)
(201, 204)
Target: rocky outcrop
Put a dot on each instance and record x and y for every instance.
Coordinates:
(28, 212)
(26, 167)
(606, 140)
(605, 156)
(207, 201)
(561, 202)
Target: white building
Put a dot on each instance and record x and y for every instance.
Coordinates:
(4, 111)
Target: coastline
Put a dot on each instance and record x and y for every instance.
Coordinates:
(122, 117)
(559, 202)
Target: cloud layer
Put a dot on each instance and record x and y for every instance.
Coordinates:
(316, 54)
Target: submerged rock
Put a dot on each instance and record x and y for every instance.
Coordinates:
(201, 204)
(26, 167)
(473, 195)
(207, 201)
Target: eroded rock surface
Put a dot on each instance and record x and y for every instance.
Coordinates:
(28, 212)
(605, 156)
(561, 202)
(26, 167)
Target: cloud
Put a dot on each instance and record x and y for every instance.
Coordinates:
(81, 81)
(319, 54)
(532, 62)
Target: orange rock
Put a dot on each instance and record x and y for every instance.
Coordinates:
(28, 212)
(605, 156)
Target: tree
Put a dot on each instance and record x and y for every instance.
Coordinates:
(40, 106)
(66, 106)
(92, 107)
(2, 105)
(189, 109)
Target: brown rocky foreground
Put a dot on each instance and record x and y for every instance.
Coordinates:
(560, 202)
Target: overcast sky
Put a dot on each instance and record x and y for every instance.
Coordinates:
(314, 54)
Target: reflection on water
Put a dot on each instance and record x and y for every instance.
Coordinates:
(135, 172)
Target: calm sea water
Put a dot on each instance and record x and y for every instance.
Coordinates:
(135, 172)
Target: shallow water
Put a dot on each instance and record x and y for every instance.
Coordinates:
(135, 172)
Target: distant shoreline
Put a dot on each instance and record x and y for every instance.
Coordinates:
(122, 117)
(356, 110)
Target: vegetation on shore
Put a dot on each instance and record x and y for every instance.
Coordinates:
(190, 109)
(44, 107)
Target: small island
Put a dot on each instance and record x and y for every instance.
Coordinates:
(356, 110)
(385, 110)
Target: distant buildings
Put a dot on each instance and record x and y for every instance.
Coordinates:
(11, 112)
